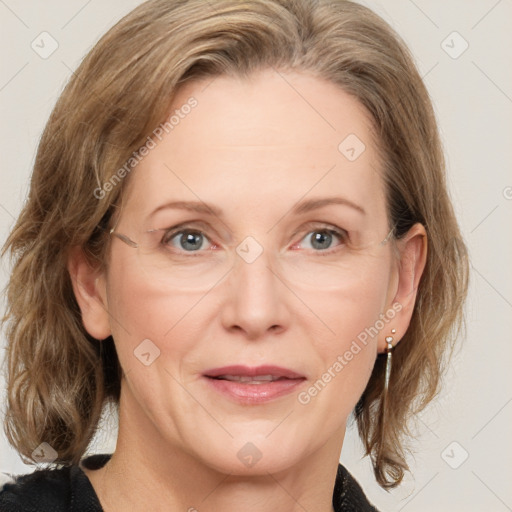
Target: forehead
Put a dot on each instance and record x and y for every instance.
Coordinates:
(275, 136)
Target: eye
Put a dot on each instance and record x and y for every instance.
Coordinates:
(323, 239)
(188, 240)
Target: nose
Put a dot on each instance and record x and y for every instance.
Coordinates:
(255, 301)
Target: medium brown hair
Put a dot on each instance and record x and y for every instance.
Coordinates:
(59, 377)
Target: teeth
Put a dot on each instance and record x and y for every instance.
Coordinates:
(246, 378)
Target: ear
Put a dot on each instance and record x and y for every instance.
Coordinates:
(412, 250)
(90, 292)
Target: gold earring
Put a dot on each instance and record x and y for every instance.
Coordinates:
(389, 352)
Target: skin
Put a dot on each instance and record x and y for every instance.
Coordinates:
(253, 148)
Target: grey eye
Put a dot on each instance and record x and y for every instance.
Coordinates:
(187, 240)
(322, 239)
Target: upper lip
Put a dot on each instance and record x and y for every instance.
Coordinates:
(252, 371)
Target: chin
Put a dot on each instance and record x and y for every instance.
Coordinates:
(254, 455)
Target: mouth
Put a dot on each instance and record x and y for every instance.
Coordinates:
(257, 379)
(253, 385)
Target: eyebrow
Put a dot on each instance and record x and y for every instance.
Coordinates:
(302, 207)
(314, 204)
(193, 206)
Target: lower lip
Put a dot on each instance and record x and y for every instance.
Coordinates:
(254, 393)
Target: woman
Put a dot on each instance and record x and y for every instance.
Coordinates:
(238, 230)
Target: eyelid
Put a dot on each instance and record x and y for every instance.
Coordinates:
(199, 226)
(320, 226)
(171, 233)
(310, 227)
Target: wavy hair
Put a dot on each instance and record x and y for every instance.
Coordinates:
(59, 378)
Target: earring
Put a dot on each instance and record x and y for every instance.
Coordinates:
(389, 352)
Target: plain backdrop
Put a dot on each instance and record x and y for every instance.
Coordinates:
(463, 453)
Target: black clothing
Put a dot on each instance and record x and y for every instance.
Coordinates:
(67, 489)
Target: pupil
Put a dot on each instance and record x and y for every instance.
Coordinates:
(323, 238)
(191, 240)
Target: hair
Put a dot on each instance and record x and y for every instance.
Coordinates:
(59, 378)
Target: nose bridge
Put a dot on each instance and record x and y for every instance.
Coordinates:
(256, 301)
(253, 263)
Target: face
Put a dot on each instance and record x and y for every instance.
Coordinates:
(305, 294)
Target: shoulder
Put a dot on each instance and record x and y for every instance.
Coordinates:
(348, 495)
(26, 493)
(59, 489)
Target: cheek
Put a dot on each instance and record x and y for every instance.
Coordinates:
(354, 316)
(140, 311)
(353, 305)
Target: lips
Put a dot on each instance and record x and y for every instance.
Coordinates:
(253, 385)
(246, 378)
(257, 373)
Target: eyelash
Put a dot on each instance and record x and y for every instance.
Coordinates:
(341, 234)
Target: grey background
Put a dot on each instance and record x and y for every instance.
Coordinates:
(472, 94)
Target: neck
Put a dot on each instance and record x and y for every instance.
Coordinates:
(141, 475)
